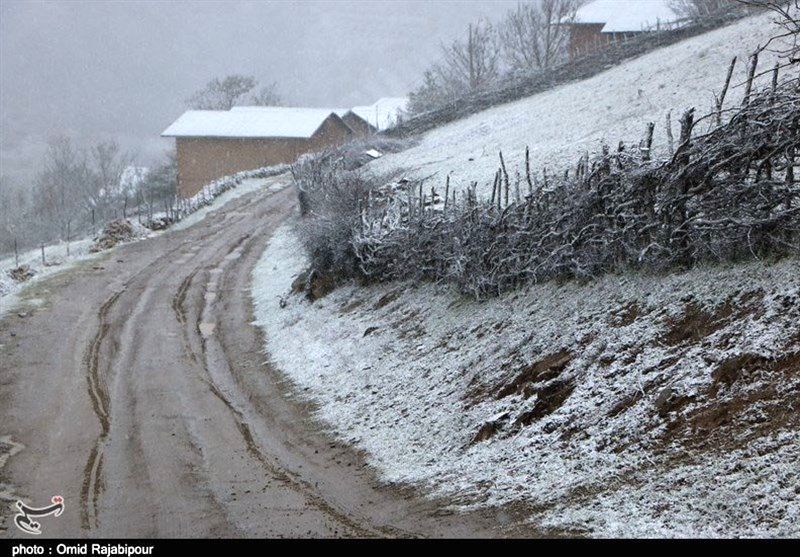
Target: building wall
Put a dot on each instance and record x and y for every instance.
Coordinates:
(202, 160)
(586, 38)
(361, 127)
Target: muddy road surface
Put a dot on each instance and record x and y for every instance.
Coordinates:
(137, 389)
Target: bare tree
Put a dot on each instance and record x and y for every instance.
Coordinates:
(268, 96)
(534, 35)
(108, 164)
(476, 62)
(14, 206)
(222, 94)
(58, 188)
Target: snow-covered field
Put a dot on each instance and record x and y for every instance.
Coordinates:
(56, 258)
(561, 125)
(630, 406)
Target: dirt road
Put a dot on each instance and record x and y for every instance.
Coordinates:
(138, 390)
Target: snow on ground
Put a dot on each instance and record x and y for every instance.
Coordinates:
(248, 185)
(630, 406)
(560, 125)
(215, 196)
(56, 260)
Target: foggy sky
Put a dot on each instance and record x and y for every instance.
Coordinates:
(122, 69)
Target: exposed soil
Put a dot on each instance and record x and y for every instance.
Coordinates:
(538, 372)
(751, 396)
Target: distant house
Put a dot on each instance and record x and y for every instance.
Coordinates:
(384, 113)
(216, 143)
(602, 22)
(360, 126)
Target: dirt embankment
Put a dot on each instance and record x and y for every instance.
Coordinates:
(638, 405)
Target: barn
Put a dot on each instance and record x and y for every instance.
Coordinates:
(602, 22)
(359, 125)
(384, 113)
(215, 143)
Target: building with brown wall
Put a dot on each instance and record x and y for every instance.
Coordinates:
(212, 144)
(602, 22)
(359, 125)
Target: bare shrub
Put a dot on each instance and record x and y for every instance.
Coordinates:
(331, 200)
(728, 195)
(725, 196)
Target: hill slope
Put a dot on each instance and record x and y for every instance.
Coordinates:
(637, 406)
(561, 125)
(634, 405)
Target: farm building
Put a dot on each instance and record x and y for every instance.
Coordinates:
(215, 143)
(360, 126)
(384, 113)
(602, 22)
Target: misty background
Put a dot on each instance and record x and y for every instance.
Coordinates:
(122, 70)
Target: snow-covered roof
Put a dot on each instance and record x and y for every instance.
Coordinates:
(384, 113)
(625, 16)
(242, 121)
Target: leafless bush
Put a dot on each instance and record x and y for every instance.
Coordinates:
(331, 201)
(727, 195)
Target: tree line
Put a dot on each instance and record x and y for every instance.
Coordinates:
(78, 189)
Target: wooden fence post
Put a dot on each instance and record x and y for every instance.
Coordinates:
(648, 141)
(721, 98)
(751, 74)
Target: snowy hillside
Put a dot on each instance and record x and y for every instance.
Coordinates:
(636, 406)
(631, 405)
(560, 125)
